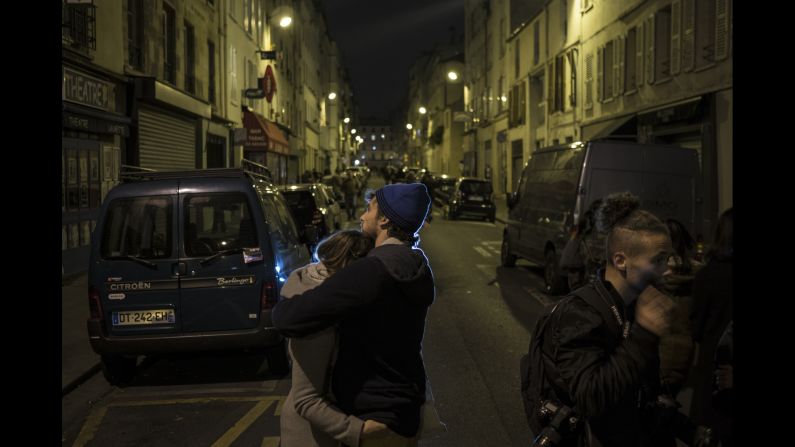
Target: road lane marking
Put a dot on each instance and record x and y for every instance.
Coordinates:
(270, 441)
(482, 251)
(90, 427)
(243, 424)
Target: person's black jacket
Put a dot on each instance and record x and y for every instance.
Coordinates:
(609, 380)
(380, 303)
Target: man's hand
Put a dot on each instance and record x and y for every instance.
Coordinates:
(654, 311)
(374, 429)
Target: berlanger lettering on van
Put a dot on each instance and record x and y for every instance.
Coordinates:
(235, 281)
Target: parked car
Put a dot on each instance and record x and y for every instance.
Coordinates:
(443, 188)
(471, 197)
(559, 183)
(189, 261)
(334, 208)
(309, 205)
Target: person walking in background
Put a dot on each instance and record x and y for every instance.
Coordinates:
(712, 312)
(676, 348)
(309, 418)
(349, 189)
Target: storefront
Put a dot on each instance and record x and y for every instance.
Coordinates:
(266, 144)
(94, 135)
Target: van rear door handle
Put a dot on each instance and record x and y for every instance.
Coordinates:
(179, 269)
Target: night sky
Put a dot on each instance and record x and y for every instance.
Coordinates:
(380, 39)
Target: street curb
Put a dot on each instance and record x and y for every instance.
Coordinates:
(69, 387)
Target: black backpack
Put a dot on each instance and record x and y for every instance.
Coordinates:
(537, 380)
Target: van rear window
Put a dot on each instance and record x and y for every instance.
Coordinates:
(139, 227)
(218, 222)
(476, 187)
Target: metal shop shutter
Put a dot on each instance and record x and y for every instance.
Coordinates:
(167, 143)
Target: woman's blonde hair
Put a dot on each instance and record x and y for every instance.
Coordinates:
(342, 248)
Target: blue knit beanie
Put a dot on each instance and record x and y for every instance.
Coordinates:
(405, 204)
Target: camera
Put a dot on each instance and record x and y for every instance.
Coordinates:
(559, 422)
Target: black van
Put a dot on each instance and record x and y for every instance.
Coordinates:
(559, 183)
(189, 261)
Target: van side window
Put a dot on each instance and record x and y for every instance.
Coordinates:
(281, 234)
(216, 222)
(140, 227)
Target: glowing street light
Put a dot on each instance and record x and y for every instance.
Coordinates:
(453, 76)
(346, 120)
(285, 21)
(332, 96)
(353, 131)
(423, 110)
(409, 126)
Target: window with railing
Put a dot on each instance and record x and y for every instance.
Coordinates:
(662, 49)
(190, 59)
(78, 26)
(135, 34)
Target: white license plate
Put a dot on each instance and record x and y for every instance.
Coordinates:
(475, 198)
(142, 317)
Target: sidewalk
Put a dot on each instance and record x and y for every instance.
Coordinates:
(77, 358)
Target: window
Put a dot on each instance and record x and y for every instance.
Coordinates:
(662, 40)
(135, 34)
(564, 18)
(169, 44)
(630, 71)
(704, 33)
(556, 85)
(572, 56)
(501, 90)
(536, 41)
(78, 28)
(211, 72)
(607, 71)
(233, 75)
(502, 36)
(217, 222)
(516, 59)
(140, 227)
(190, 61)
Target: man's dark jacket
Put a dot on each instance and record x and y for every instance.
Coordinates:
(608, 379)
(380, 303)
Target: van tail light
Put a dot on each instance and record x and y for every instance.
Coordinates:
(268, 298)
(317, 217)
(94, 306)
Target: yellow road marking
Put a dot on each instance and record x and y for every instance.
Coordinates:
(270, 441)
(90, 427)
(240, 426)
(94, 419)
(278, 411)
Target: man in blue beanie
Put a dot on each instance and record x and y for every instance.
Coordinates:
(380, 304)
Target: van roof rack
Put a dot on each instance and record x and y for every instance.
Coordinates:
(247, 168)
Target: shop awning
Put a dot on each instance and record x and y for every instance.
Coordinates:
(263, 135)
(604, 129)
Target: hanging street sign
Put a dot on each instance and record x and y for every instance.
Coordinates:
(268, 83)
(254, 93)
(267, 54)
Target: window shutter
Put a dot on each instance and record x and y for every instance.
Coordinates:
(588, 81)
(615, 64)
(688, 34)
(551, 87)
(650, 49)
(721, 29)
(622, 58)
(676, 32)
(639, 56)
(522, 103)
(599, 81)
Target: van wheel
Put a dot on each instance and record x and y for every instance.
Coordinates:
(554, 281)
(117, 369)
(278, 360)
(507, 259)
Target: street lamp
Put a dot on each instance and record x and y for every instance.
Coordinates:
(409, 126)
(346, 120)
(283, 15)
(452, 75)
(353, 131)
(423, 110)
(332, 96)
